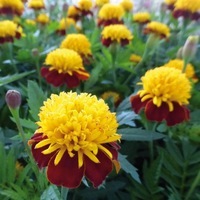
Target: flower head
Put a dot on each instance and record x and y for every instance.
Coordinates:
(100, 3)
(42, 18)
(116, 33)
(127, 5)
(112, 95)
(110, 14)
(9, 30)
(36, 4)
(73, 12)
(30, 22)
(141, 17)
(157, 28)
(64, 24)
(76, 137)
(164, 95)
(135, 58)
(85, 6)
(170, 4)
(179, 64)
(187, 9)
(10, 7)
(65, 66)
(13, 99)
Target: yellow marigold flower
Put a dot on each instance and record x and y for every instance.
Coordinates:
(187, 9)
(30, 21)
(157, 28)
(64, 66)
(64, 24)
(42, 19)
(135, 58)
(76, 137)
(110, 14)
(179, 64)
(100, 3)
(142, 17)
(11, 7)
(73, 13)
(36, 4)
(85, 5)
(127, 5)
(111, 94)
(9, 30)
(116, 33)
(78, 43)
(164, 95)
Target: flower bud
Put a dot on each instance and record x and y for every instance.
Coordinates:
(65, 7)
(179, 53)
(35, 52)
(190, 48)
(13, 99)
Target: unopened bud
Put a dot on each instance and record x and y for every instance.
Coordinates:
(179, 53)
(65, 7)
(13, 99)
(35, 52)
(190, 47)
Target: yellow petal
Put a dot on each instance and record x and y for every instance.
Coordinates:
(80, 159)
(42, 143)
(51, 149)
(91, 156)
(59, 156)
(105, 151)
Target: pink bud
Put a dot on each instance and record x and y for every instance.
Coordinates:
(13, 99)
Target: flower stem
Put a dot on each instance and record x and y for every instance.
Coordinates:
(184, 65)
(64, 193)
(10, 47)
(38, 70)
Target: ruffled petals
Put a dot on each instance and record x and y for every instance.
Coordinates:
(137, 104)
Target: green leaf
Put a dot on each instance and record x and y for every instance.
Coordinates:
(51, 193)
(36, 97)
(11, 78)
(138, 134)
(126, 118)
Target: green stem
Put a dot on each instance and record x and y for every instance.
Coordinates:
(184, 66)
(38, 70)
(10, 47)
(64, 193)
(194, 185)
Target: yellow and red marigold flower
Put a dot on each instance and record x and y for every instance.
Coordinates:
(9, 30)
(187, 9)
(117, 33)
(84, 7)
(64, 24)
(157, 28)
(135, 58)
(36, 4)
(127, 5)
(64, 66)
(170, 4)
(112, 95)
(73, 12)
(100, 3)
(179, 64)
(78, 43)
(164, 95)
(76, 138)
(11, 7)
(141, 17)
(110, 14)
(42, 18)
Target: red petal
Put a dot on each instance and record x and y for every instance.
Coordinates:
(97, 172)
(136, 103)
(44, 71)
(66, 173)
(178, 115)
(154, 113)
(72, 81)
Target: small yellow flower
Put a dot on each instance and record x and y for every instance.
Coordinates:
(141, 17)
(30, 21)
(100, 3)
(179, 64)
(157, 28)
(64, 24)
(36, 4)
(116, 33)
(135, 58)
(110, 94)
(78, 43)
(85, 5)
(188, 5)
(73, 12)
(11, 7)
(42, 18)
(127, 5)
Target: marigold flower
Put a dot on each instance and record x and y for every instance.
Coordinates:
(111, 94)
(9, 30)
(42, 18)
(142, 17)
(85, 6)
(76, 137)
(36, 4)
(65, 66)
(110, 14)
(116, 33)
(164, 95)
(30, 22)
(157, 28)
(127, 5)
(73, 12)
(170, 4)
(135, 58)
(64, 24)
(78, 43)
(179, 64)
(100, 3)
(187, 9)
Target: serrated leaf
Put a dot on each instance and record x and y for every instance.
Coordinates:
(126, 118)
(51, 193)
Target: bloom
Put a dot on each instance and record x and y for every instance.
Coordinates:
(179, 64)
(73, 13)
(112, 95)
(110, 14)
(116, 33)
(76, 137)
(135, 58)
(170, 4)
(36, 4)
(164, 95)
(11, 7)
(84, 6)
(141, 17)
(9, 30)
(157, 28)
(127, 5)
(64, 24)
(187, 9)
(42, 18)
(100, 3)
